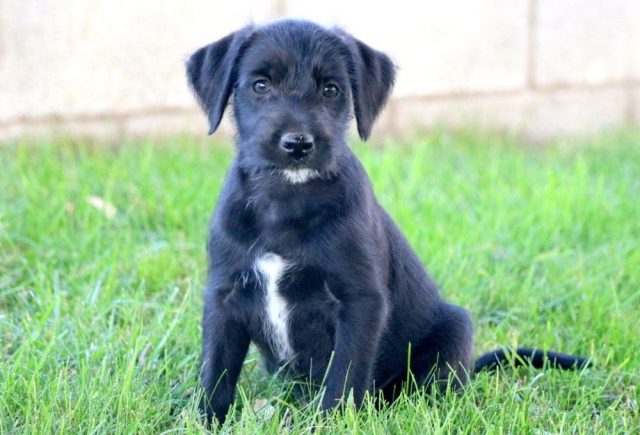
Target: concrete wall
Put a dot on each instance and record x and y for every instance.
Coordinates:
(542, 68)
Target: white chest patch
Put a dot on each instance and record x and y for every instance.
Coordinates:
(299, 176)
(270, 268)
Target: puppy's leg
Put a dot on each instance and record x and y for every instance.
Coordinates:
(360, 324)
(449, 348)
(444, 355)
(225, 343)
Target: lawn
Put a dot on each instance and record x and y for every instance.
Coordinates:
(102, 267)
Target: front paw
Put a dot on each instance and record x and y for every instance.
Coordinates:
(213, 414)
(334, 401)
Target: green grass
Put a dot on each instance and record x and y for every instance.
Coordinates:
(99, 317)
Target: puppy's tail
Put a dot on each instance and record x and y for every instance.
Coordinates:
(536, 358)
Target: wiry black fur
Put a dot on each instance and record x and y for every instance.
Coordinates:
(360, 298)
(536, 358)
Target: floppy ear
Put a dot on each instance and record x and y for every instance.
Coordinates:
(212, 74)
(372, 77)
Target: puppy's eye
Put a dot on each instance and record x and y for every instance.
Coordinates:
(261, 86)
(330, 90)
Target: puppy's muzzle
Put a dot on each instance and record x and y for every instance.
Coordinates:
(297, 145)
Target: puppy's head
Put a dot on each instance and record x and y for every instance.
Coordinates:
(294, 87)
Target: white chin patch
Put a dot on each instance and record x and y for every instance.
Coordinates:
(299, 176)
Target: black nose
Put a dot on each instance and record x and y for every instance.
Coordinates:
(297, 145)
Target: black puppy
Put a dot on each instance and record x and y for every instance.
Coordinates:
(304, 262)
